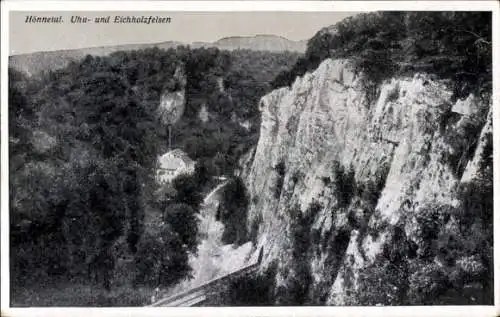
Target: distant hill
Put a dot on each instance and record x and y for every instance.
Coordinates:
(34, 63)
(261, 42)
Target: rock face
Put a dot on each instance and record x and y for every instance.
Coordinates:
(173, 103)
(172, 106)
(335, 173)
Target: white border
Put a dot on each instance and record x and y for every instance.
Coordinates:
(496, 154)
(309, 6)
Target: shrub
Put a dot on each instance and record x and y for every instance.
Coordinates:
(385, 280)
(345, 183)
(280, 169)
(380, 284)
(427, 284)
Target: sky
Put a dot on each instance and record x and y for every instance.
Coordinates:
(184, 26)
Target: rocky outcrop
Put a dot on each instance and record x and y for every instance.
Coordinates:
(335, 175)
(173, 103)
(172, 106)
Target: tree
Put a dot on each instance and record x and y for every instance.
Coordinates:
(135, 214)
(233, 212)
(187, 191)
(161, 258)
(183, 219)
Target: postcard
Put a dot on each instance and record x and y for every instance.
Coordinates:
(249, 158)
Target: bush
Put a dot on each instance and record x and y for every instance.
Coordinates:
(280, 169)
(427, 284)
(381, 284)
(345, 183)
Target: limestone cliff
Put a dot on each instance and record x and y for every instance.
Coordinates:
(173, 103)
(340, 183)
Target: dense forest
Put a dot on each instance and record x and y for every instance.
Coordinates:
(449, 45)
(83, 146)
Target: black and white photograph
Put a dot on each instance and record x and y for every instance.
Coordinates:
(160, 158)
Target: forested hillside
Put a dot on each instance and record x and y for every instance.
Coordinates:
(449, 45)
(83, 146)
(36, 63)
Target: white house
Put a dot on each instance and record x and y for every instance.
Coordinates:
(174, 163)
